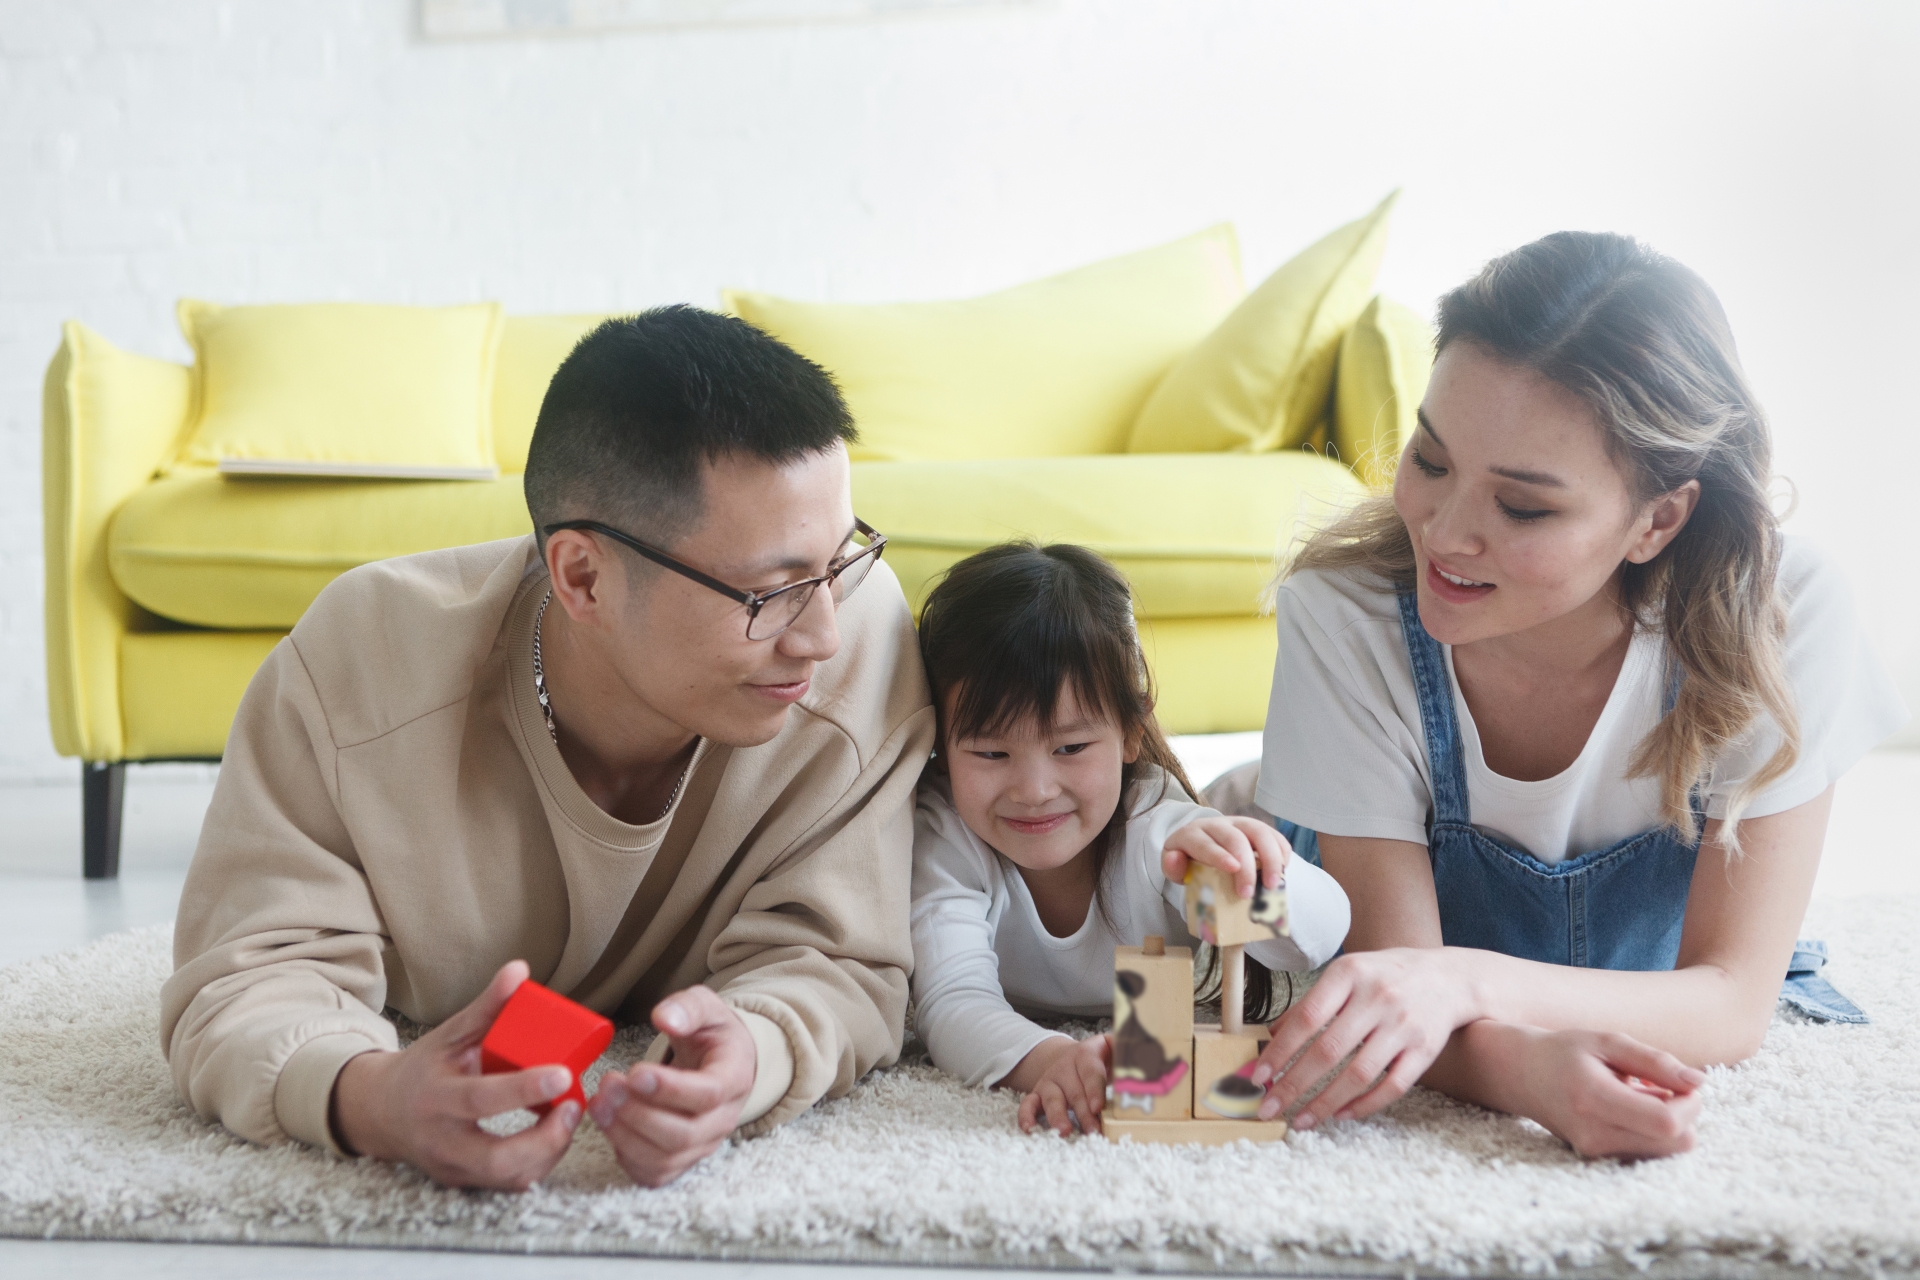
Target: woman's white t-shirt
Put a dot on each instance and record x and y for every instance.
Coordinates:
(981, 954)
(1345, 753)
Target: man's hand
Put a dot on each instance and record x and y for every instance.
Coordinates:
(1244, 847)
(1071, 1084)
(423, 1104)
(662, 1120)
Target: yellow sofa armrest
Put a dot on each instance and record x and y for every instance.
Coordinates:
(109, 418)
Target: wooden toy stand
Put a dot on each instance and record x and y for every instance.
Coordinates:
(1190, 1084)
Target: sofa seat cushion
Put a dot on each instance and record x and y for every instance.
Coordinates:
(252, 554)
(1196, 534)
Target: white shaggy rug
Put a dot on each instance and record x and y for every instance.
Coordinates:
(1809, 1156)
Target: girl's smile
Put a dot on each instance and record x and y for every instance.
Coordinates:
(1039, 796)
(1037, 826)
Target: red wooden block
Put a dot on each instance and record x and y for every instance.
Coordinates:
(538, 1028)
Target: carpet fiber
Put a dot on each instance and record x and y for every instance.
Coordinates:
(1809, 1156)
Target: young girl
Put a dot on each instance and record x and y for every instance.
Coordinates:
(1054, 824)
(1578, 711)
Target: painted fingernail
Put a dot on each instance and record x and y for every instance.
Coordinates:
(1269, 1107)
(554, 1082)
(1304, 1120)
(1261, 1074)
(647, 1082)
(569, 1114)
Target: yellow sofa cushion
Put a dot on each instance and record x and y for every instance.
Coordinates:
(1195, 534)
(252, 554)
(1057, 367)
(1263, 378)
(531, 348)
(342, 384)
(1385, 360)
(1212, 675)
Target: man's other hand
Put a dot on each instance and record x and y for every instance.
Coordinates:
(423, 1104)
(663, 1120)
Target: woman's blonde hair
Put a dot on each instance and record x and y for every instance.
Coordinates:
(1645, 343)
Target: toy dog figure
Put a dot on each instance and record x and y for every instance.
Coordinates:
(1142, 1068)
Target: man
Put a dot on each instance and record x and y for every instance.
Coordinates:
(660, 756)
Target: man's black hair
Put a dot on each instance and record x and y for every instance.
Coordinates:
(643, 401)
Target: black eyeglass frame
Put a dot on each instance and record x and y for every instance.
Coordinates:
(876, 542)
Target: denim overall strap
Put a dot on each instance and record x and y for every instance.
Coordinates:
(1619, 907)
(1446, 758)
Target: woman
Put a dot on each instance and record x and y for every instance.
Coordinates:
(1565, 712)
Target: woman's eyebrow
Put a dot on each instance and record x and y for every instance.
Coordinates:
(1512, 473)
(1530, 477)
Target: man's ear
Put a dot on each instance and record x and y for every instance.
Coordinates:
(1665, 518)
(578, 566)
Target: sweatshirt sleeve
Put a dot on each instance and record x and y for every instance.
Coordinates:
(960, 1009)
(278, 979)
(817, 957)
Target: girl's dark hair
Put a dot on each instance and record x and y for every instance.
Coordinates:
(1008, 629)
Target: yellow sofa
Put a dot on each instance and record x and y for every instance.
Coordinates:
(167, 583)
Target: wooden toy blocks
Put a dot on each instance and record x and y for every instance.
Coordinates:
(1191, 1085)
(1216, 914)
(1222, 1069)
(1152, 1031)
(537, 1028)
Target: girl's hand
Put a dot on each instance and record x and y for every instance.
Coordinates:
(1244, 846)
(1392, 1011)
(1606, 1094)
(1072, 1085)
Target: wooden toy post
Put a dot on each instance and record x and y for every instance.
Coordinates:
(1233, 987)
(1190, 1083)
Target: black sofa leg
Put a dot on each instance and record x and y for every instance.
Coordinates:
(102, 789)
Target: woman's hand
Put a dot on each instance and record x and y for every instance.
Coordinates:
(1246, 847)
(1603, 1094)
(1071, 1084)
(1392, 1011)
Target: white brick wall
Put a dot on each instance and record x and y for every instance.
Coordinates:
(279, 150)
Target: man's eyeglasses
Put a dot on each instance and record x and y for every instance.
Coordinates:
(770, 614)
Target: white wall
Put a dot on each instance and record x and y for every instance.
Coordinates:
(267, 150)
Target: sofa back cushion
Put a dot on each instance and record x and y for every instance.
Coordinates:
(342, 385)
(1385, 360)
(1198, 535)
(1264, 378)
(1057, 367)
(531, 348)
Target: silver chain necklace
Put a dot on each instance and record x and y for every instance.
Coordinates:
(546, 705)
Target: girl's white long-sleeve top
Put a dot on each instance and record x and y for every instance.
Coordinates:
(981, 954)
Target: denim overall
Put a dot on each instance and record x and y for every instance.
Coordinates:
(1620, 907)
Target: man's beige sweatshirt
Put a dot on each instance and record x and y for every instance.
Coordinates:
(393, 823)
